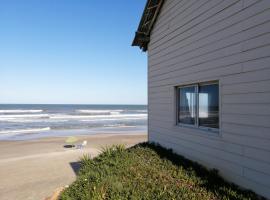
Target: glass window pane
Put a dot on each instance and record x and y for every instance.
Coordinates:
(209, 106)
(187, 105)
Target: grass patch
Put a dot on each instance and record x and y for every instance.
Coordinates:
(148, 171)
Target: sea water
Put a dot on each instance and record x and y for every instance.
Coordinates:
(22, 122)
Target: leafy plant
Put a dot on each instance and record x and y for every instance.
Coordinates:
(109, 150)
(85, 159)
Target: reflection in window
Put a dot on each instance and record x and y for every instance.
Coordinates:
(209, 106)
(203, 102)
(187, 105)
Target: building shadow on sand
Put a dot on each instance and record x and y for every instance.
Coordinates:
(75, 167)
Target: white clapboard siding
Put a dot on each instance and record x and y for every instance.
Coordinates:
(226, 40)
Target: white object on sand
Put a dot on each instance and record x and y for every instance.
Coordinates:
(81, 146)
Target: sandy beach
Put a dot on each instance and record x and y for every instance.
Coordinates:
(32, 170)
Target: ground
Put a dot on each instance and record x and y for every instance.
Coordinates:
(32, 170)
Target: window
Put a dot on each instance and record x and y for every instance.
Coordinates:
(198, 105)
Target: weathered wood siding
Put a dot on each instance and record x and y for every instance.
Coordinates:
(226, 40)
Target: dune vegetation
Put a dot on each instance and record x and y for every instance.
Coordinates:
(148, 171)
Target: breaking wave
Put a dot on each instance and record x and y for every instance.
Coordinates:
(12, 117)
(97, 116)
(20, 111)
(49, 119)
(28, 118)
(23, 131)
(100, 112)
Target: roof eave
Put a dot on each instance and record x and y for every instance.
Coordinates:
(148, 19)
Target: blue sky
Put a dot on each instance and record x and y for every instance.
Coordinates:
(71, 51)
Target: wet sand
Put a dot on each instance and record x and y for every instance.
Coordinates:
(32, 170)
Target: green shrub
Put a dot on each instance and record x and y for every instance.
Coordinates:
(148, 171)
(109, 150)
(85, 159)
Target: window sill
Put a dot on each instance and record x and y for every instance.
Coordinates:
(201, 130)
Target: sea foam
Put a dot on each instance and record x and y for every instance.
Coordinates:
(20, 111)
(99, 112)
(97, 116)
(24, 116)
(20, 131)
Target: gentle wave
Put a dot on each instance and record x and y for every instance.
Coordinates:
(113, 119)
(143, 111)
(21, 111)
(63, 118)
(96, 116)
(119, 126)
(31, 120)
(20, 131)
(67, 119)
(100, 112)
(24, 116)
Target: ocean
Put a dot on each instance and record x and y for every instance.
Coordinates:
(24, 122)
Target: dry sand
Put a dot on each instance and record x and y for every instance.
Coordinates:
(32, 170)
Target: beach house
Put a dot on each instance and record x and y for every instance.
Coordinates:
(209, 84)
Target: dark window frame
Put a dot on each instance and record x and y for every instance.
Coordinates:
(196, 125)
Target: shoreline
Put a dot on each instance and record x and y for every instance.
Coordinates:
(33, 169)
(73, 132)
